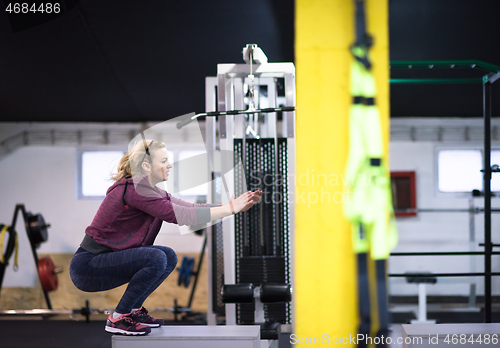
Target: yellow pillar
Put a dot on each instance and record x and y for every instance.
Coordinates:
(325, 288)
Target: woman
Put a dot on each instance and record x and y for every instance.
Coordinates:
(118, 245)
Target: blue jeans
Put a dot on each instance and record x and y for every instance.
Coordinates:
(143, 268)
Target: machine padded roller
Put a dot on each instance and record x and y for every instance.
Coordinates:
(237, 293)
(272, 293)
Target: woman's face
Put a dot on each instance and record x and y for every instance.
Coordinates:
(160, 165)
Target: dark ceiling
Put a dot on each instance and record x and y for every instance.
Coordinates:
(443, 30)
(128, 61)
(122, 60)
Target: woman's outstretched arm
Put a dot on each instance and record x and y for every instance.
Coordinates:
(242, 203)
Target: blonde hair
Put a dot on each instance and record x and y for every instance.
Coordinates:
(131, 163)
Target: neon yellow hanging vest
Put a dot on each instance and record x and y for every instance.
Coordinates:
(367, 200)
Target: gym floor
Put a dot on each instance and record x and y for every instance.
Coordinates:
(79, 334)
(65, 333)
(39, 333)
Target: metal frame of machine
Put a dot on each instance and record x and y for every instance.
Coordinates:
(232, 90)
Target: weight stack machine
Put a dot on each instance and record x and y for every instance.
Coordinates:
(257, 152)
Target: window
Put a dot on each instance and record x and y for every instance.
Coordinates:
(188, 176)
(460, 170)
(495, 177)
(96, 168)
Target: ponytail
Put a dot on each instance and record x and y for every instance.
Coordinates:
(131, 163)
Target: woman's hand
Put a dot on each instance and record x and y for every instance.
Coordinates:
(245, 201)
(256, 196)
(236, 205)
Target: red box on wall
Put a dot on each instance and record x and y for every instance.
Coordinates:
(404, 194)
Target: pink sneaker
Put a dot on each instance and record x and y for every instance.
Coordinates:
(141, 316)
(126, 325)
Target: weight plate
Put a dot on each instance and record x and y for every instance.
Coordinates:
(37, 228)
(48, 277)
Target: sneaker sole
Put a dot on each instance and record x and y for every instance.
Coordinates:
(124, 332)
(151, 325)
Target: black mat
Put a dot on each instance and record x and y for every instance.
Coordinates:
(65, 334)
(53, 334)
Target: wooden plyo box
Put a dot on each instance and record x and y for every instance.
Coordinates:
(193, 337)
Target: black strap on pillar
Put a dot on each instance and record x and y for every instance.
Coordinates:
(360, 52)
(363, 299)
(383, 314)
(363, 39)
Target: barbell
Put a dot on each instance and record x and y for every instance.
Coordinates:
(85, 311)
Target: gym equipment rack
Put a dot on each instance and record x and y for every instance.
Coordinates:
(492, 75)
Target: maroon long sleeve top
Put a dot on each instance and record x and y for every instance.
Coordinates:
(131, 215)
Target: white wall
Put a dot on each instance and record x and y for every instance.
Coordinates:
(44, 179)
(438, 231)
